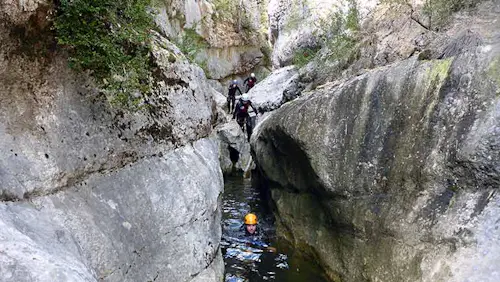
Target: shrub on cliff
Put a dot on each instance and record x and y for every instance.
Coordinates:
(109, 39)
(340, 35)
(303, 56)
(191, 43)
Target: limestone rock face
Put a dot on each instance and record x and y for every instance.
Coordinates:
(390, 31)
(232, 31)
(229, 61)
(276, 89)
(291, 27)
(156, 218)
(90, 192)
(55, 131)
(217, 86)
(392, 175)
(234, 148)
(295, 24)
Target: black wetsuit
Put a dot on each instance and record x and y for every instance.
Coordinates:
(259, 237)
(250, 82)
(241, 115)
(231, 96)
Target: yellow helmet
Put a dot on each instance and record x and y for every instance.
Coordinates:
(250, 219)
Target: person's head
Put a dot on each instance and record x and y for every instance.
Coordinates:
(245, 98)
(251, 223)
(252, 74)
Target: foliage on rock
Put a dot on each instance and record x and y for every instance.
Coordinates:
(232, 11)
(109, 39)
(191, 43)
(226, 9)
(338, 37)
(340, 33)
(303, 56)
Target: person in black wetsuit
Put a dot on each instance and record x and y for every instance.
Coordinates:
(250, 82)
(241, 113)
(231, 94)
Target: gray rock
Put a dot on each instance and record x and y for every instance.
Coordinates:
(467, 41)
(92, 192)
(289, 42)
(170, 17)
(57, 133)
(225, 62)
(234, 150)
(217, 86)
(234, 42)
(157, 218)
(392, 175)
(279, 87)
(213, 273)
(300, 23)
(219, 99)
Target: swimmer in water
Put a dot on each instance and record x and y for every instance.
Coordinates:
(255, 233)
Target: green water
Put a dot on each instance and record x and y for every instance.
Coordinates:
(245, 263)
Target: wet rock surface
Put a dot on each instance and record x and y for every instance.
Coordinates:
(392, 175)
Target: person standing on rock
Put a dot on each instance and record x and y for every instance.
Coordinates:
(250, 82)
(231, 94)
(241, 114)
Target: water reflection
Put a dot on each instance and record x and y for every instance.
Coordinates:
(249, 259)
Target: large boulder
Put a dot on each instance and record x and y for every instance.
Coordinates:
(279, 87)
(234, 149)
(156, 218)
(393, 175)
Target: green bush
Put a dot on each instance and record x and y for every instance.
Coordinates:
(303, 56)
(352, 21)
(339, 34)
(191, 43)
(226, 9)
(110, 40)
(267, 51)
